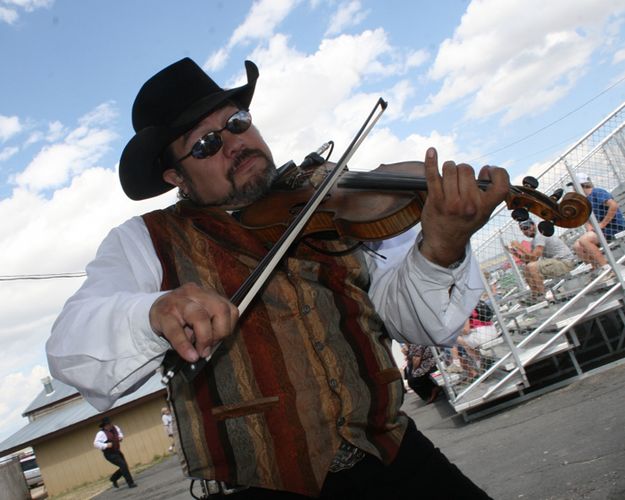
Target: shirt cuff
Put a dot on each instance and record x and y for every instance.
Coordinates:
(438, 274)
(148, 340)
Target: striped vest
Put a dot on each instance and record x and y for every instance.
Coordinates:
(308, 367)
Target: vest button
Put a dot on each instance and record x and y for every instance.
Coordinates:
(333, 384)
(319, 346)
(305, 309)
(340, 422)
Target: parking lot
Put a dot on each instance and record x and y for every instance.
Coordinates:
(565, 445)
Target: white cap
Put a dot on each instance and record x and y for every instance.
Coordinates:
(582, 178)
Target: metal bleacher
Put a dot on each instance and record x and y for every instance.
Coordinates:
(579, 327)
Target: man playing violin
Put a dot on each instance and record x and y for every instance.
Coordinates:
(303, 397)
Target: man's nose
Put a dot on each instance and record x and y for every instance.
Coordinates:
(233, 144)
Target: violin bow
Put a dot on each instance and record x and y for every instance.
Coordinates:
(256, 280)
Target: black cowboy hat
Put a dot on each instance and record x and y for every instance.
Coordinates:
(169, 104)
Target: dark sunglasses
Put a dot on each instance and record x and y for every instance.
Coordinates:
(586, 185)
(210, 143)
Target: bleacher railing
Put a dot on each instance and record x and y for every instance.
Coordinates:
(528, 331)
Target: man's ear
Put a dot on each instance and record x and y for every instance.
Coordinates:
(173, 177)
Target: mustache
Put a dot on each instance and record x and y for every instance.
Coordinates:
(243, 156)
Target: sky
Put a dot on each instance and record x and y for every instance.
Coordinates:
(512, 83)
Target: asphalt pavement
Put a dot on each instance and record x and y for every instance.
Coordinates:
(568, 444)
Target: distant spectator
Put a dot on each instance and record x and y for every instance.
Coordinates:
(420, 363)
(478, 330)
(168, 424)
(108, 440)
(548, 258)
(609, 217)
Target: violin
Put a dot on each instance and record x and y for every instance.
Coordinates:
(387, 201)
(364, 206)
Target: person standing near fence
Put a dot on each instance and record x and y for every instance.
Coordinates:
(108, 440)
(420, 363)
(168, 424)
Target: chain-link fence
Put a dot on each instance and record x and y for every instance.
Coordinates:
(538, 287)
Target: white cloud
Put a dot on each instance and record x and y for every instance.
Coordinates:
(416, 58)
(82, 148)
(619, 56)
(8, 152)
(9, 126)
(8, 16)
(55, 131)
(325, 89)
(103, 114)
(289, 79)
(259, 24)
(19, 389)
(34, 137)
(216, 60)
(29, 5)
(347, 15)
(42, 236)
(262, 19)
(505, 58)
(9, 8)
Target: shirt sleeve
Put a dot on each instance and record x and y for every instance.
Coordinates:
(102, 343)
(421, 302)
(540, 240)
(100, 441)
(120, 434)
(602, 195)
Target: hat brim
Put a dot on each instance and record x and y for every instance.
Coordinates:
(140, 171)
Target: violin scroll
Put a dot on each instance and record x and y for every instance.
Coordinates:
(572, 211)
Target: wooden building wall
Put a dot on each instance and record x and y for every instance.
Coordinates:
(71, 460)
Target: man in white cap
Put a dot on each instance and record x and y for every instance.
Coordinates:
(609, 217)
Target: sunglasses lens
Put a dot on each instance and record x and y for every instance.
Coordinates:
(239, 122)
(206, 146)
(209, 144)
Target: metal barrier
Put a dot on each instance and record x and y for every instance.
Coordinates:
(535, 315)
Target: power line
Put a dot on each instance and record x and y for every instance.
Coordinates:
(24, 277)
(550, 124)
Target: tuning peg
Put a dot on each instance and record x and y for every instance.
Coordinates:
(546, 228)
(557, 194)
(520, 214)
(530, 182)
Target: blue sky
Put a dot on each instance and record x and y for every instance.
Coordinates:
(505, 82)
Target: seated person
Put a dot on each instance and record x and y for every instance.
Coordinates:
(477, 330)
(610, 220)
(549, 258)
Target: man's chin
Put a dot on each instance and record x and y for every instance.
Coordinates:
(250, 191)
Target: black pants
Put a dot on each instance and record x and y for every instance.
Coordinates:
(420, 471)
(423, 386)
(117, 458)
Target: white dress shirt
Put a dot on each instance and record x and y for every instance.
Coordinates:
(102, 342)
(101, 441)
